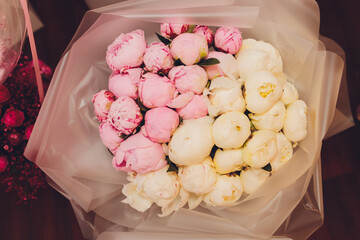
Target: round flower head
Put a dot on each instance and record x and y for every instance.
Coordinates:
(196, 108)
(231, 130)
(260, 149)
(228, 39)
(102, 102)
(110, 137)
(189, 78)
(4, 94)
(285, 151)
(198, 178)
(13, 117)
(171, 30)
(140, 154)
(295, 126)
(225, 95)
(290, 94)
(252, 179)
(126, 51)
(124, 115)
(262, 90)
(273, 119)
(160, 124)
(227, 161)
(135, 199)
(226, 68)
(126, 83)
(191, 142)
(227, 190)
(190, 48)
(157, 58)
(156, 91)
(206, 32)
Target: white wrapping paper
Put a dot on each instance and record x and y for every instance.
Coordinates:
(66, 145)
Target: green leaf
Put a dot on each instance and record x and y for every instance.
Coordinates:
(208, 84)
(191, 28)
(123, 136)
(180, 120)
(172, 166)
(268, 167)
(209, 62)
(163, 40)
(213, 151)
(143, 109)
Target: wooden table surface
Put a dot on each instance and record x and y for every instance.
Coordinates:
(51, 216)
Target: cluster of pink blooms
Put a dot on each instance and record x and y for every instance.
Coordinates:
(148, 75)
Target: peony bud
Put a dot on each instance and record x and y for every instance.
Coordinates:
(126, 83)
(102, 102)
(171, 30)
(228, 39)
(290, 94)
(196, 108)
(252, 179)
(227, 161)
(110, 137)
(295, 126)
(273, 119)
(285, 151)
(206, 32)
(157, 58)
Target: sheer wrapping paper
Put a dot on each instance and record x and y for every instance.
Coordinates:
(65, 142)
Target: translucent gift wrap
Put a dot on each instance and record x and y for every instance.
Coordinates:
(65, 142)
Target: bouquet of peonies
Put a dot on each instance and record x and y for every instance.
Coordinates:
(213, 128)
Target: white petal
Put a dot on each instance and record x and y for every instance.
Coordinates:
(285, 151)
(273, 119)
(295, 126)
(180, 200)
(252, 179)
(227, 161)
(195, 200)
(290, 94)
(134, 199)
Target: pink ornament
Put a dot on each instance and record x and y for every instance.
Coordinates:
(110, 137)
(14, 138)
(3, 163)
(228, 39)
(158, 58)
(126, 83)
(140, 154)
(196, 108)
(206, 32)
(171, 30)
(124, 115)
(13, 117)
(102, 102)
(28, 131)
(126, 51)
(4, 94)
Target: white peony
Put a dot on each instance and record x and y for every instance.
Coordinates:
(273, 119)
(224, 95)
(260, 149)
(198, 178)
(262, 91)
(290, 94)
(227, 161)
(295, 126)
(135, 199)
(180, 201)
(231, 130)
(252, 179)
(192, 141)
(285, 151)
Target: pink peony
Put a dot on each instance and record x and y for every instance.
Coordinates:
(126, 51)
(28, 131)
(139, 154)
(102, 102)
(155, 91)
(3, 163)
(228, 39)
(110, 137)
(4, 94)
(158, 58)
(171, 30)
(206, 32)
(13, 117)
(160, 124)
(189, 78)
(126, 83)
(181, 100)
(124, 115)
(196, 108)
(190, 48)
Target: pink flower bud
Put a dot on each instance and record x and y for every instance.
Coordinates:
(13, 117)
(171, 30)
(4, 94)
(158, 58)
(206, 32)
(126, 51)
(110, 137)
(102, 102)
(126, 83)
(228, 39)
(196, 108)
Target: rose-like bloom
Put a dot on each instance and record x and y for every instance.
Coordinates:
(290, 94)
(126, 51)
(225, 95)
(28, 131)
(273, 119)
(160, 124)
(126, 83)
(189, 78)
(226, 68)
(3, 163)
(155, 91)
(228, 39)
(227, 190)
(262, 90)
(110, 137)
(260, 149)
(231, 130)
(171, 30)
(190, 48)
(157, 58)
(198, 178)
(206, 32)
(285, 151)
(124, 115)
(140, 154)
(257, 56)
(4, 94)
(252, 179)
(191, 142)
(13, 117)
(227, 161)
(102, 102)
(295, 126)
(196, 108)
(135, 199)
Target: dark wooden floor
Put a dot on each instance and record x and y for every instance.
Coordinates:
(51, 216)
